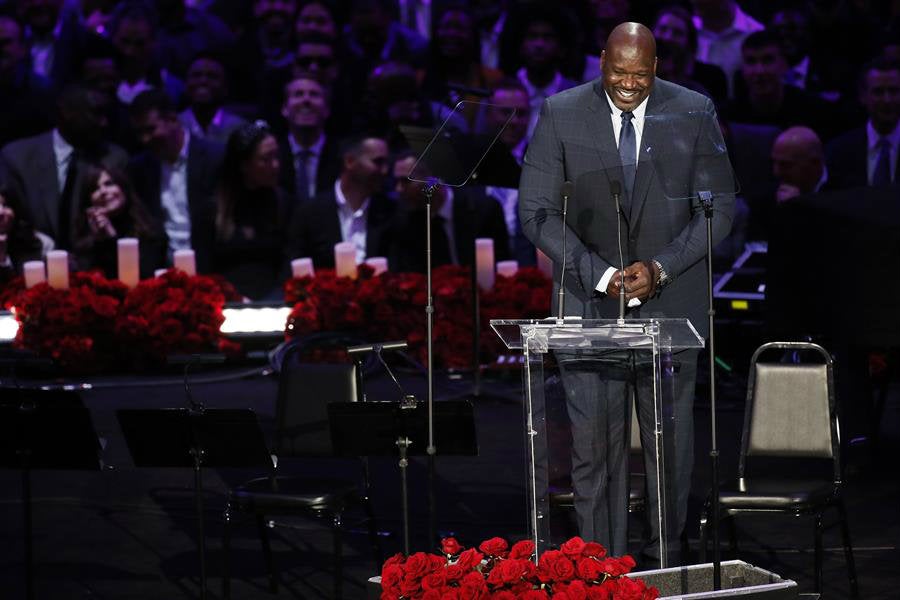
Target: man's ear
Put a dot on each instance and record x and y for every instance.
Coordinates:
(655, 62)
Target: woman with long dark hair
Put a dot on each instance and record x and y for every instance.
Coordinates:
(18, 240)
(250, 214)
(109, 209)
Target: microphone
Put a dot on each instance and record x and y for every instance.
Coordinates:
(351, 350)
(615, 189)
(568, 189)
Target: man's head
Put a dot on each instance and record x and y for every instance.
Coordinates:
(542, 48)
(712, 9)
(133, 33)
(629, 65)
(317, 56)
(410, 193)
(365, 162)
(369, 24)
(315, 17)
(40, 15)
(275, 17)
(205, 83)
(792, 27)
(99, 66)
(509, 94)
(82, 115)
(880, 94)
(155, 122)
(674, 25)
(12, 48)
(455, 35)
(763, 64)
(305, 104)
(798, 159)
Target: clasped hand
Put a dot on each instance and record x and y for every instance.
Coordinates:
(640, 281)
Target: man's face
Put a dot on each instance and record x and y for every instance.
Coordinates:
(408, 192)
(793, 166)
(275, 15)
(102, 74)
(317, 60)
(205, 82)
(85, 122)
(370, 166)
(793, 29)
(503, 101)
(881, 97)
(159, 133)
(315, 18)
(454, 34)
(305, 105)
(670, 28)
(40, 15)
(763, 69)
(134, 41)
(540, 47)
(11, 48)
(629, 71)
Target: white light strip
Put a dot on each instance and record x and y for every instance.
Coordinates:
(237, 320)
(255, 320)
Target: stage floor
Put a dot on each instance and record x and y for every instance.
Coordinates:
(128, 533)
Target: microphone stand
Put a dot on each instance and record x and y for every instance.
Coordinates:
(615, 189)
(706, 200)
(429, 345)
(567, 189)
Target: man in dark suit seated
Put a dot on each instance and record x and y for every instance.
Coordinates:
(459, 217)
(176, 177)
(47, 170)
(309, 157)
(769, 100)
(353, 209)
(604, 135)
(868, 155)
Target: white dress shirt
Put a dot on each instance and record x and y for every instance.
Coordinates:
(872, 139)
(536, 95)
(312, 160)
(62, 151)
(353, 222)
(637, 120)
(723, 48)
(173, 196)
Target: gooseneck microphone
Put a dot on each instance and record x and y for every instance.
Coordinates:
(568, 189)
(615, 189)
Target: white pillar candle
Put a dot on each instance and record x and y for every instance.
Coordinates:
(507, 268)
(34, 272)
(484, 263)
(185, 261)
(58, 269)
(302, 267)
(345, 259)
(379, 263)
(544, 264)
(129, 261)
(159, 272)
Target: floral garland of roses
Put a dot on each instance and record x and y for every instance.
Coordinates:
(390, 306)
(98, 324)
(579, 570)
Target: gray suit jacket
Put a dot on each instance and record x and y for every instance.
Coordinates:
(681, 153)
(30, 165)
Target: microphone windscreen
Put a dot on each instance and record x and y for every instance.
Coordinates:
(568, 189)
(615, 187)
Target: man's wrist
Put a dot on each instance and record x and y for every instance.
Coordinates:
(662, 278)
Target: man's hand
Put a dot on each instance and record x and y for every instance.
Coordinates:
(640, 280)
(786, 192)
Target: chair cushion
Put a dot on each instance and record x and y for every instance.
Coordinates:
(760, 493)
(287, 494)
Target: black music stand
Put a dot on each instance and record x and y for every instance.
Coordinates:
(195, 438)
(388, 429)
(44, 429)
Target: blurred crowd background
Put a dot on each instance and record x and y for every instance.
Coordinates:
(258, 131)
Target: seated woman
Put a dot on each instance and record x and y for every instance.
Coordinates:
(18, 240)
(250, 214)
(109, 210)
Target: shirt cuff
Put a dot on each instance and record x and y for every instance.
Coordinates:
(604, 284)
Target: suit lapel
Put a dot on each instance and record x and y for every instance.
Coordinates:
(600, 131)
(653, 131)
(47, 182)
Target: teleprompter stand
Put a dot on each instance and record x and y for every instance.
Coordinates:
(398, 429)
(195, 438)
(44, 429)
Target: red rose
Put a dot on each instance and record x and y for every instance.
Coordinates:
(604, 591)
(573, 548)
(534, 595)
(454, 573)
(577, 590)
(590, 569)
(473, 587)
(418, 565)
(503, 595)
(435, 580)
(410, 586)
(554, 566)
(594, 550)
(432, 594)
(522, 549)
(617, 566)
(507, 572)
(450, 546)
(495, 547)
(390, 577)
(469, 559)
(450, 594)
(633, 589)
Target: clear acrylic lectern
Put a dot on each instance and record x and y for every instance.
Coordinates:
(548, 442)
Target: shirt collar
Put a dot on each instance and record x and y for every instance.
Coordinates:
(873, 137)
(183, 153)
(637, 113)
(61, 148)
(742, 23)
(550, 89)
(315, 149)
(343, 207)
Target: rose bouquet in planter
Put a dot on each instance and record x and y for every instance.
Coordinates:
(579, 570)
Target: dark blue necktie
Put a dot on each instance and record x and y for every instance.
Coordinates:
(628, 153)
(882, 174)
(302, 178)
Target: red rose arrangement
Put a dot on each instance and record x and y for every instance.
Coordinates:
(99, 324)
(579, 570)
(391, 306)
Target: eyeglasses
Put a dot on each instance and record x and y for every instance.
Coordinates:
(305, 62)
